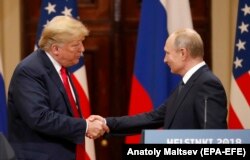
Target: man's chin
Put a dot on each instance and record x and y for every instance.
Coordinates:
(77, 61)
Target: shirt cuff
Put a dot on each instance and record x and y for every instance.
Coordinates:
(87, 126)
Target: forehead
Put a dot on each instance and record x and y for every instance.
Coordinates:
(169, 45)
(76, 39)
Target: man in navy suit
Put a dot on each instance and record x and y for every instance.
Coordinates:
(199, 102)
(42, 124)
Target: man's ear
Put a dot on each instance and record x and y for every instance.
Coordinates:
(184, 53)
(55, 49)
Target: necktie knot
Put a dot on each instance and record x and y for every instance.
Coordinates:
(181, 85)
(63, 71)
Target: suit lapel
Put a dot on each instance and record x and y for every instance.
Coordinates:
(54, 76)
(177, 101)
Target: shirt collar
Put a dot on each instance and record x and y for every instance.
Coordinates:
(55, 63)
(192, 71)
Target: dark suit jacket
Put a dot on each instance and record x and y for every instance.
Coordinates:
(41, 126)
(185, 111)
(6, 151)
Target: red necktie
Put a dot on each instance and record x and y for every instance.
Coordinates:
(68, 91)
(80, 148)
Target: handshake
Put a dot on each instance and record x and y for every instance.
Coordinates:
(96, 126)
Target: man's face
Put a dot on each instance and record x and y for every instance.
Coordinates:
(69, 53)
(173, 56)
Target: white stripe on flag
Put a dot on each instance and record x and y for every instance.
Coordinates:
(80, 74)
(178, 14)
(239, 104)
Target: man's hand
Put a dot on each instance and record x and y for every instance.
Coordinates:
(97, 117)
(96, 126)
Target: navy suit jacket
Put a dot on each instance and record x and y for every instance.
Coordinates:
(41, 125)
(183, 111)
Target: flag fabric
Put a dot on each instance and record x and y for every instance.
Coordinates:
(50, 9)
(3, 104)
(239, 109)
(152, 81)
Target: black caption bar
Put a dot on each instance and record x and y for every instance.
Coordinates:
(186, 151)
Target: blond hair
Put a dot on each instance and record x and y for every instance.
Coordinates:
(60, 30)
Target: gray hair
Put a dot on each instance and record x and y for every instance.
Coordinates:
(191, 40)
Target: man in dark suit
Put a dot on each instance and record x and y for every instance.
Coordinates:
(199, 102)
(45, 123)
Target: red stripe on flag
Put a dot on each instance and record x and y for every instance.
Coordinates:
(243, 82)
(81, 151)
(139, 102)
(83, 100)
(84, 106)
(233, 121)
